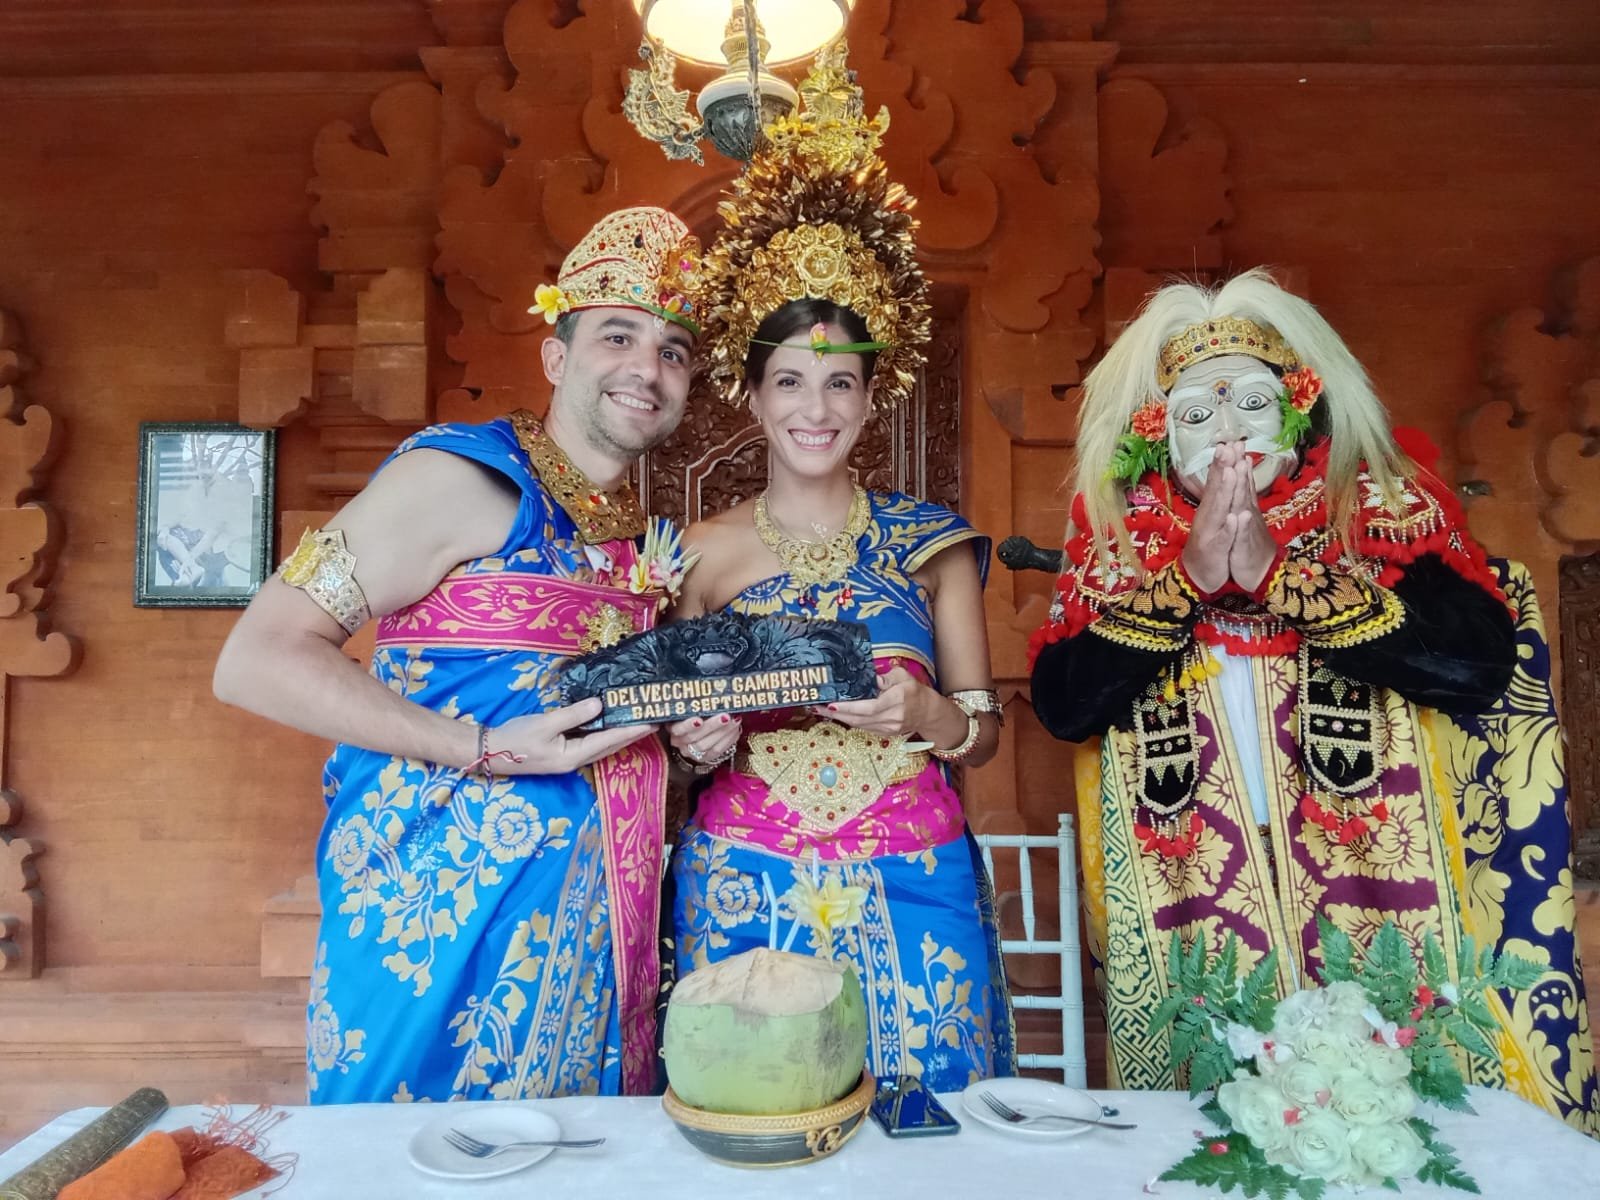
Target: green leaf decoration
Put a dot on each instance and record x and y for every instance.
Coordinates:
(1296, 424)
(1466, 1030)
(1435, 970)
(1389, 973)
(1257, 998)
(1211, 1064)
(1442, 1167)
(1338, 952)
(1135, 457)
(1208, 994)
(1435, 1076)
(1514, 972)
(1241, 1166)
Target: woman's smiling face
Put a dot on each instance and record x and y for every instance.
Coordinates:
(812, 406)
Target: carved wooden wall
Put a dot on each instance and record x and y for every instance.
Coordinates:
(1424, 175)
(29, 542)
(1580, 708)
(1527, 443)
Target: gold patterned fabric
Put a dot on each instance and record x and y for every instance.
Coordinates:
(1476, 842)
(1328, 607)
(600, 515)
(1158, 616)
(491, 937)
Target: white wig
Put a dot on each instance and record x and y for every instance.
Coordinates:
(1126, 378)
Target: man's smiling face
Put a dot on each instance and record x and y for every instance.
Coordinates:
(623, 380)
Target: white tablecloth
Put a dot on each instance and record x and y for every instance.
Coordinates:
(350, 1152)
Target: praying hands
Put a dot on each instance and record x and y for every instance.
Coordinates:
(1230, 539)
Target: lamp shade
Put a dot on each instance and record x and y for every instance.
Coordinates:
(693, 29)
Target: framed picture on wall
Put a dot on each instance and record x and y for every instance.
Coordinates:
(204, 536)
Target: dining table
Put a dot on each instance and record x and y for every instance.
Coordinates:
(348, 1152)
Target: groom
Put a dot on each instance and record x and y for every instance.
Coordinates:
(489, 877)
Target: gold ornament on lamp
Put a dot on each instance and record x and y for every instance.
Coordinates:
(815, 215)
(734, 107)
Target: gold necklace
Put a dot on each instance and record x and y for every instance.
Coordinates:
(600, 516)
(811, 563)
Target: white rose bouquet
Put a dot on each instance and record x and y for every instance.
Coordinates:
(1322, 1086)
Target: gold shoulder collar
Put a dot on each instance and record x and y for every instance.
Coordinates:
(600, 516)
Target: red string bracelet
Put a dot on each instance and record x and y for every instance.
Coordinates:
(487, 756)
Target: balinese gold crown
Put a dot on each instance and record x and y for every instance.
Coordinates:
(1219, 336)
(632, 258)
(816, 216)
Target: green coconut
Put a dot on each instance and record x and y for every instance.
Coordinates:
(764, 1033)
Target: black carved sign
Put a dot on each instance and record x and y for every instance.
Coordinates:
(724, 662)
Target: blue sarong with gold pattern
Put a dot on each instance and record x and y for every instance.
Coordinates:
(491, 938)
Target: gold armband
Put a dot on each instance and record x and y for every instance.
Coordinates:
(323, 568)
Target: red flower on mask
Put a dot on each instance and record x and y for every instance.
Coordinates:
(1150, 422)
(1303, 388)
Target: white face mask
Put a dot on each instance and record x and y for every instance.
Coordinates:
(1228, 399)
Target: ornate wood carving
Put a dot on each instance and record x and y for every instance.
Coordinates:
(1163, 196)
(376, 352)
(29, 540)
(1580, 654)
(1528, 466)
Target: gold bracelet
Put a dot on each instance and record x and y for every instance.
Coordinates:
(957, 753)
(973, 701)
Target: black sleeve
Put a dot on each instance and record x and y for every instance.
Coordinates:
(1455, 650)
(1083, 685)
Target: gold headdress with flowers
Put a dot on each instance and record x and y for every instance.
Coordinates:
(633, 258)
(816, 216)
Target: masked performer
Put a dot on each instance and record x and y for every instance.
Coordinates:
(1313, 693)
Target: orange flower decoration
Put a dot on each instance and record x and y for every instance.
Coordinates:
(1150, 422)
(1303, 388)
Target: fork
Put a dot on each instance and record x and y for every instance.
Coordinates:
(1012, 1117)
(475, 1148)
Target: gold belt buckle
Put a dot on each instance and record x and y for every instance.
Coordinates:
(826, 772)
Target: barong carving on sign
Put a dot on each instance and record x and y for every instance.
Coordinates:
(724, 662)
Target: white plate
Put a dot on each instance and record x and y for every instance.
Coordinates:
(1035, 1097)
(499, 1123)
